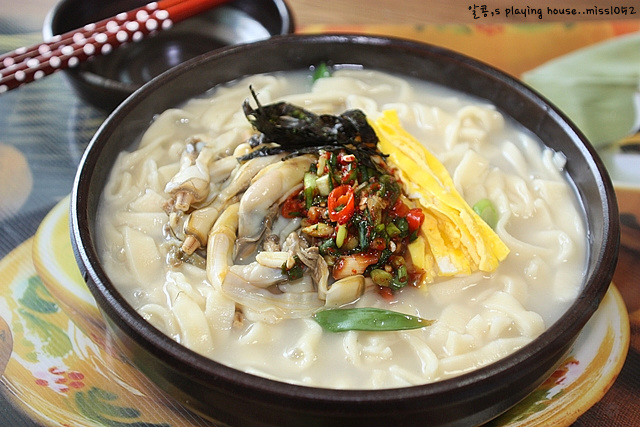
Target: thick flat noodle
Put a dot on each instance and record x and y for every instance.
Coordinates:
(486, 304)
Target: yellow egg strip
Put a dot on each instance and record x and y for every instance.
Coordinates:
(454, 240)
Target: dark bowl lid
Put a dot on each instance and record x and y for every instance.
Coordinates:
(105, 81)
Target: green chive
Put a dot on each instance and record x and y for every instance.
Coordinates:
(367, 319)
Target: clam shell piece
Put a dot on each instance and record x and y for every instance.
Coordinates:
(345, 291)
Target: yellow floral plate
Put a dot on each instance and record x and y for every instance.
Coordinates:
(65, 371)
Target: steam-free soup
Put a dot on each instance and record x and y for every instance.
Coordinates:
(451, 218)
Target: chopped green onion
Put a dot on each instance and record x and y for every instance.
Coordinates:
(322, 162)
(401, 279)
(381, 277)
(332, 165)
(309, 188)
(392, 230)
(487, 212)
(384, 256)
(310, 180)
(352, 174)
(326, 245)
(322, 183)
(365, 173)
(367, 319)
(333, 160)
(321, 70)
(341, 235)
(294, 272)
(402, 224)
(363, 233)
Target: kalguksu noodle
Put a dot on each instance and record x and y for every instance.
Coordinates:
(463, 228)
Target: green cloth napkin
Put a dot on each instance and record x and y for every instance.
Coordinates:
(597, 87)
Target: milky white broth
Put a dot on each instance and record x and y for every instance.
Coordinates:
(479, 318)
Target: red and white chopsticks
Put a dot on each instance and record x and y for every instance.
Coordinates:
(27, 64)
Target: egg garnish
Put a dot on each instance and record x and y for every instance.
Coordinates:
(453, 240)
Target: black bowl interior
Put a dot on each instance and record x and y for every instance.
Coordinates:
(107, 80)
(225, 394)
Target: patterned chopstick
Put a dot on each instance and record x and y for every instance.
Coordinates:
(28, 64)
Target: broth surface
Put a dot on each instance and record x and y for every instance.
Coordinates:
(479, 318)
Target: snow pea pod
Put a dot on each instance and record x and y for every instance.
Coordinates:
(367, 319)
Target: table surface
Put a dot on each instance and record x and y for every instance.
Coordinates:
(46, 140)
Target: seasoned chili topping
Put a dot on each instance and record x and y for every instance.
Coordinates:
(359, 219)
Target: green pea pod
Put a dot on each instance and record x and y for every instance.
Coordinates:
(367, 319)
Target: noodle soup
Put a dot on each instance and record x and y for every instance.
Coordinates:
(246, 288)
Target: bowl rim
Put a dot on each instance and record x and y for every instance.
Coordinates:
(284, 11)
(553, 340)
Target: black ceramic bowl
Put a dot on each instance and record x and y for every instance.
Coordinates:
(242, 399)
(107, 80)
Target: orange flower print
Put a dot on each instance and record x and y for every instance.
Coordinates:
(60, 380)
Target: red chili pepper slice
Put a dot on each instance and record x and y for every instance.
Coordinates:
(399, 209)
(415, 218)
(341, 204)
